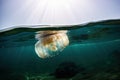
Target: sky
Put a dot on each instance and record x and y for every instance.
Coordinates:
(56, 12)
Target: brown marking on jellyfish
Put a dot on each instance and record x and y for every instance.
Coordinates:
(48, 33)
(48, 40)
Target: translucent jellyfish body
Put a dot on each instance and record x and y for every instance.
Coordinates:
(50, 43)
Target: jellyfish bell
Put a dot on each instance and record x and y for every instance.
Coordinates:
(50, 43)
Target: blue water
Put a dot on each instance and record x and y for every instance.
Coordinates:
(92, 46)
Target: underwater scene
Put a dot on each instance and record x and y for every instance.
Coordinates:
(61, 52)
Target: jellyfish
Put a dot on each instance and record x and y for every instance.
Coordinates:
(50, 43)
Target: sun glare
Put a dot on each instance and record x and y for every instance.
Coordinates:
(48, 12)
(58, 2)
(57, 11)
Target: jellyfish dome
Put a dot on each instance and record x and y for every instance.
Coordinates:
(50, 43)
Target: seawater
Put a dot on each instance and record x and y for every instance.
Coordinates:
(94, 46)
